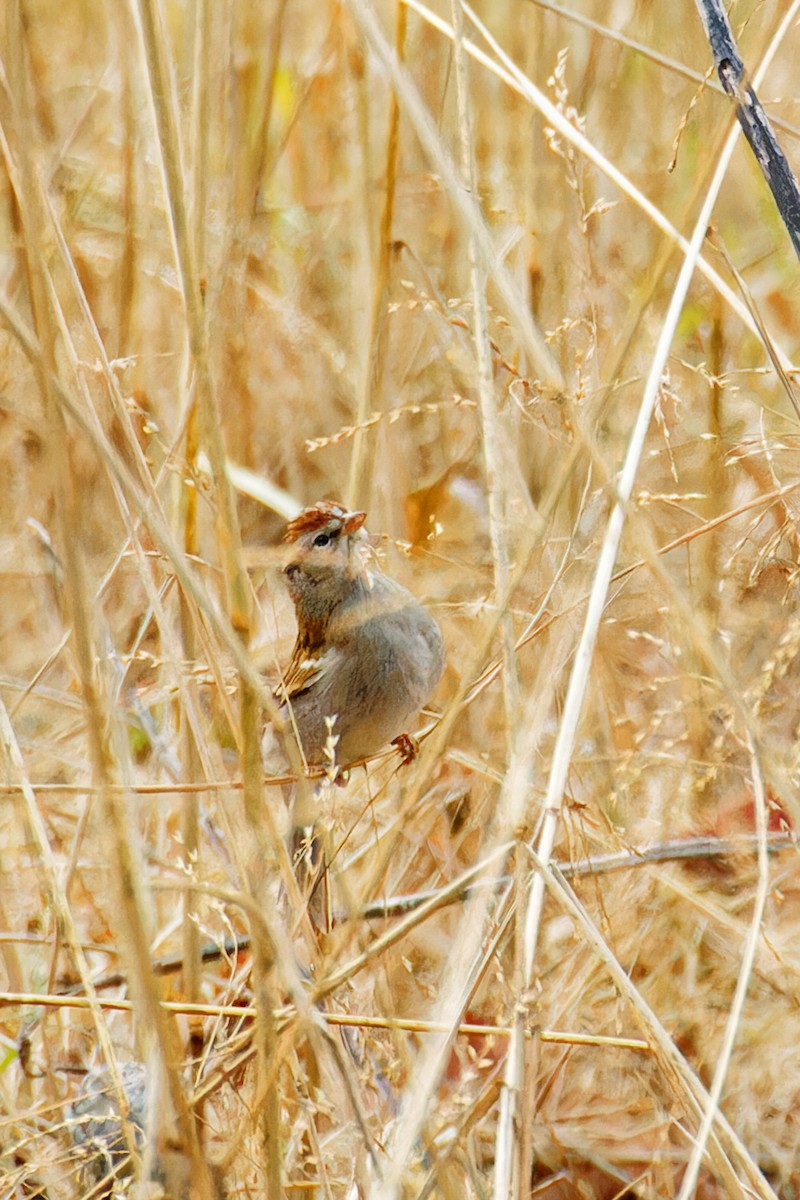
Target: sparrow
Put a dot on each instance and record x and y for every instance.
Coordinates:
(367, 656)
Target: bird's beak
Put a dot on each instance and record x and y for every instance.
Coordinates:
(353, 522)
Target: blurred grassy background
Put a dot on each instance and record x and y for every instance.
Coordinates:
(222, 238)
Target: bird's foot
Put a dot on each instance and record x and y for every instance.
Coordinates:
(407, 747)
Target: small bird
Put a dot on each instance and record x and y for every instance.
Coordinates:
(367, 654)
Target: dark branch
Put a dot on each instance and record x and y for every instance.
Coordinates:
(752, 118)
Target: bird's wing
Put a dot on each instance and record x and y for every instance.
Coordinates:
(306, 669)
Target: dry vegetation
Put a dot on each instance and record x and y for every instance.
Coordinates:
(240, 232)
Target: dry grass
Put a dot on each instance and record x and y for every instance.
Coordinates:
(362, 255)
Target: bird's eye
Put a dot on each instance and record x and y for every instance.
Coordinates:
(322, 539)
